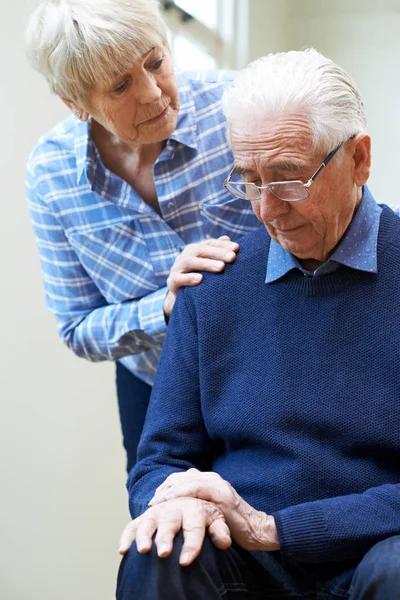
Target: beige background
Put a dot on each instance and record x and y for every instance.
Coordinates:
(62, 500)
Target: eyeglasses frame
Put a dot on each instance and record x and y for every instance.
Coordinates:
(313, 177)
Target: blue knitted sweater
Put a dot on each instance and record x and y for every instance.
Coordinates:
(291, 392)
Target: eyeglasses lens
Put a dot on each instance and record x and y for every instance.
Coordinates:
(287, 190)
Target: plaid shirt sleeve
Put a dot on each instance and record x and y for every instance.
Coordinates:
(91, 327)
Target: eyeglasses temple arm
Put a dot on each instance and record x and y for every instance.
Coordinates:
(227, 180)
(322, 166)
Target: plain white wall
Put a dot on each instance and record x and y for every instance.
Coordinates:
(62, 501)
(363, 37)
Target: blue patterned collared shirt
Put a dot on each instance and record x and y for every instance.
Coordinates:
(357, 249)
(105, 254)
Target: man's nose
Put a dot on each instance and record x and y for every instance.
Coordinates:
(271, 206)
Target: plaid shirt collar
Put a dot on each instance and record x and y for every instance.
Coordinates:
(185, 133)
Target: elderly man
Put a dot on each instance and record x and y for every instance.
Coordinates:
(271, 452)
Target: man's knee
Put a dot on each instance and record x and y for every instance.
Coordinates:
(138, 572)
(379, 570)
(146, 576)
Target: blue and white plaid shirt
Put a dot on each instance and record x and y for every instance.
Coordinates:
(105, 253)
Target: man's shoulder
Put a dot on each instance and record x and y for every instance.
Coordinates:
(253, 253)
(250, 263)
(392, 212)
(389, 226)
(254, 241)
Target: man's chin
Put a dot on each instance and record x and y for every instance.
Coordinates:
(293, 247)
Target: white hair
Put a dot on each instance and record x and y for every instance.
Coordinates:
(77, 43)
(303, 81)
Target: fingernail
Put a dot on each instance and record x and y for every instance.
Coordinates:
(197, 278)
(184, 558)
(156, 500)
(229, 256)
(163, 548)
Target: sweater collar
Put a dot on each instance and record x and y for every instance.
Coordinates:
(357, 249)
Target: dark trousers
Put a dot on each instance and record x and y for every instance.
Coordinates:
(235, 574)
(133, 400)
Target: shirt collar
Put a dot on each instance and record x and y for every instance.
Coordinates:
(186, 126)
(84, 150)
(185, 132)
(357, 249)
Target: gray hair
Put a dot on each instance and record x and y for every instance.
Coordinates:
(77, 43)
(303, 81)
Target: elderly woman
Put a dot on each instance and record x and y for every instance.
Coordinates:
(126, 195)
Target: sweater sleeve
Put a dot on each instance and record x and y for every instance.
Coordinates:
(339, 528)
(174, 436)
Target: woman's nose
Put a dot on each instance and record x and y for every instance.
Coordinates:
(148, 90)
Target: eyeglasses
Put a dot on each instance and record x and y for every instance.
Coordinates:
(289, 191)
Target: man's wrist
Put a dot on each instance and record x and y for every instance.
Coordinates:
(269, 539)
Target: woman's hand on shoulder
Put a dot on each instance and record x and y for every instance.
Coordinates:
(209, 255)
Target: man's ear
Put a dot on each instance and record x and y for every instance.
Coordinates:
(80, 113)
(362, 158)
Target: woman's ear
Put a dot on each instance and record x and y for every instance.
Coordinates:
(80, 113)
(362, 158)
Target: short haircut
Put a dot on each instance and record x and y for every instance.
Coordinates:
(77, 43)
(298, 81)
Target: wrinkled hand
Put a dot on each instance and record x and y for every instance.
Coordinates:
(250, 528)
(193, 516)
(208, 255)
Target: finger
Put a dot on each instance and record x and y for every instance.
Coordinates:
(194, 525)
(209, 263)
(175, 478)
(208, 249)
(127, 537)
(204, 486)
(165, 535)
(188, 489)
(144, 533)
(220, 534)
(178, 280)
(218, 251)
(207, 246)
(185, 277)
(160, 492)
(222, 242)
(179, 476)
(194, 529)
(187, 482)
